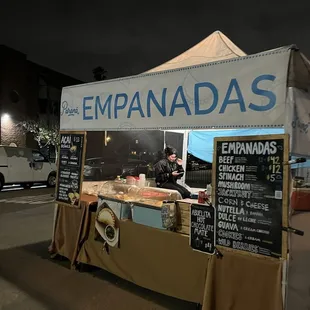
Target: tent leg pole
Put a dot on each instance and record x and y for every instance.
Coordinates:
(184, 154)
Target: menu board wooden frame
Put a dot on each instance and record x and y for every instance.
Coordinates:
(84, 133)
(285, 198)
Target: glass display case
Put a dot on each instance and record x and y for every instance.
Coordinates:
(142, 205)
(122, 191)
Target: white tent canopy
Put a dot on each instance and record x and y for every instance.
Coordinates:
(215, 47)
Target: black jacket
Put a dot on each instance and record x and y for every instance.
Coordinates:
(163, 172)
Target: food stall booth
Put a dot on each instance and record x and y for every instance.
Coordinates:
(265, 90)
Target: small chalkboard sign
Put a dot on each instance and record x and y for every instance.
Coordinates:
(250, 194)
(202, 228)
(70, 168)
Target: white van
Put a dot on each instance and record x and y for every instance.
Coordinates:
(25, 166)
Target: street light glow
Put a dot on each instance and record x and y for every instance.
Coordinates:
(5, 117)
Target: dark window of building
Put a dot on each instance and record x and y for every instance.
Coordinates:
(56, 108)
(14, 96)
(43, 106)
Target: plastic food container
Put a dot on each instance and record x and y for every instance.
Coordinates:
(147, 215)
(122, 209)
(300, 199)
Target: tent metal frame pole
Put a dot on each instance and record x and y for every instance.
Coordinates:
(184, 155)
(165, 139)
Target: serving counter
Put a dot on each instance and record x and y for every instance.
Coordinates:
(70, 225)
(163, 261)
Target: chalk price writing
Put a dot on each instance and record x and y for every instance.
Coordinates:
(274, 168)
(271, 177)
(76, 139)
(274, 159)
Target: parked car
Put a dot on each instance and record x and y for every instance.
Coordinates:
(192, 166)
(102, 168)
(25, 166)
(204, 165)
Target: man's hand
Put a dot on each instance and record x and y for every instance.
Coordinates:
(179, 161)
(175, 173)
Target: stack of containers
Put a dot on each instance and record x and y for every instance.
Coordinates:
(141, 180)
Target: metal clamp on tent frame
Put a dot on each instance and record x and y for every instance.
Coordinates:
(295, 161)
(293, 230)
(218, 253)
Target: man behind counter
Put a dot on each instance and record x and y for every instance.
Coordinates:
(169, 170)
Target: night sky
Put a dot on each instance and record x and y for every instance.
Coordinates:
(130, 37)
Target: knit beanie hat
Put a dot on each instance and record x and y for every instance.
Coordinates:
(170, 151)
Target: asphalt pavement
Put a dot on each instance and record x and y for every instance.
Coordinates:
(31, 280)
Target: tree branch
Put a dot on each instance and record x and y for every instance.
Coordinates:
(45, 131)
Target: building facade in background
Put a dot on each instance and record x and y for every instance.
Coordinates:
(28, 91)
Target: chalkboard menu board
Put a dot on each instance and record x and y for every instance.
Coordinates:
(202, 228)
(70, 167)
(250, 186)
